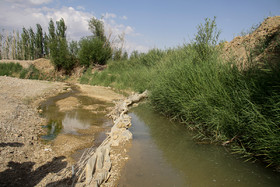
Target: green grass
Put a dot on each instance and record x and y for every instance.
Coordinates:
(213, 97)
(192, 84)
(16, 70)
(10, 69)
(127, 74)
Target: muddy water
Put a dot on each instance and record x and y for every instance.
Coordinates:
(76, 116)
(164, 154)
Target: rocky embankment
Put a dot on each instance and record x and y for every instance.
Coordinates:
(95, 169)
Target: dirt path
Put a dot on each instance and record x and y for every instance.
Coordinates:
(24, 159)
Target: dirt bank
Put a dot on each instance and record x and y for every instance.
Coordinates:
(25, 160)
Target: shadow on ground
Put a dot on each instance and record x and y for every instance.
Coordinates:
(12, 144)
(21, 174)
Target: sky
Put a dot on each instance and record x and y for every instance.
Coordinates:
(147, 24)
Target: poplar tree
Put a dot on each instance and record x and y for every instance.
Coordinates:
(8, 45)
(39, 50)
(32, 44)
(46, 45)
(58, 46)
(19, 55)
(1, 39)
(62, 44)
(25, 45)
(14, 45)
(53, 43)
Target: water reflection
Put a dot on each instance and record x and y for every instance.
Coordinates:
(71, 123)
(86, 113)
(164, 154)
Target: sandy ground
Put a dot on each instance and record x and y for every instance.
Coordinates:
(23, 156)
(24, 159)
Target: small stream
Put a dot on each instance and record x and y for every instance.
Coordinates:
(164, 154)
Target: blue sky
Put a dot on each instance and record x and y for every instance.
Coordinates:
(147, 24)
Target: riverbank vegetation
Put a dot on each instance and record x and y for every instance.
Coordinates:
(16, 70)
(226, 100)
(220, 99)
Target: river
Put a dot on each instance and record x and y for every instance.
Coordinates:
(164, 154)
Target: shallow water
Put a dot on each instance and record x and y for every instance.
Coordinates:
(164, 154)
(89, 112)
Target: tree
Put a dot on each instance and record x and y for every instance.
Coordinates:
(39, 50)
(95, 49)
(8, 43)
(53, 43)
(97, 28)
(25, 45)
(19, 54)
(1, 51)
(58, 46)
(62, 44)
(46, 45)
(14, 44)
(31, 44)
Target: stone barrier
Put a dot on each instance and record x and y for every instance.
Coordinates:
(96, 165)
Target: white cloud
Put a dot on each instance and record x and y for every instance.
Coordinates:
(39, 2)
(108, 15)
(15, 14)
(131, 46)
(16, 18)
(28, 2)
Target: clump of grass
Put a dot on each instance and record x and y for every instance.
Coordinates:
(31, 73)
(10, 69)
(16, 70)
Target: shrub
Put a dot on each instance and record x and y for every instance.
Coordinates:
(94, 51)
(10, 69)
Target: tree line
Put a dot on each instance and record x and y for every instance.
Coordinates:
(30, 45)
(26, 45)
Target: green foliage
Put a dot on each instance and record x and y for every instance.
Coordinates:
(10, 69)
(16, 70)
(31, 44)
(97, 28)
(192, 84)
(59, 53)
(25, 45)
(95, 49)
(39, 51)
(206, 38)
(30, 73)
(46, 45)
(74, 48)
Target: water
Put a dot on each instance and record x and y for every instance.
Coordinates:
(164, 154)
(77, 120)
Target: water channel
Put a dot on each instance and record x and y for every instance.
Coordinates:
(164, 154)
